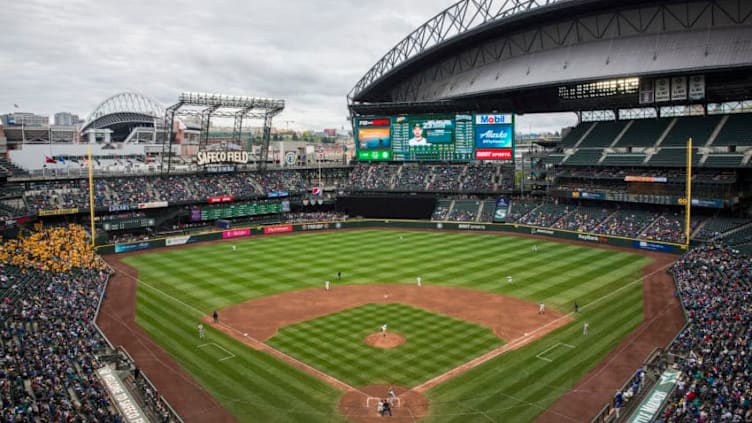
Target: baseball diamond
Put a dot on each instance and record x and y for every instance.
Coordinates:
(183, 285)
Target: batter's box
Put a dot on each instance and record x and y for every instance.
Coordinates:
(228, 355)
(553, 347)
(373, 401)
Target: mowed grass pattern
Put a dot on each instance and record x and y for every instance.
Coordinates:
(179, 286)
(434, 344)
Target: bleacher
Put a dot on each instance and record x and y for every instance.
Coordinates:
(464, 211)
(587, 157)
(575, 134)
(698, 127)
(718, 225)
(623, 159)
(736, 131)
(723, 160)
(442, 210)
(489, 208)
(603, 134)
(673, 157)
(643, 133)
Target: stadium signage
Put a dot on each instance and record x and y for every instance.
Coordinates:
(222, 199)
(119, 207)
(57, 212)
(591, 238)
(315, 227)
(124, 248)
(493, 119)
(651, 246)
(653, 402)
(210, 157)
(123, 399)
(278, 229)
(542, 231)
(471, 227)
(645, 179)
(490, 154)
(374, 122)
(177, 240)
(236, 233)
(153, 205)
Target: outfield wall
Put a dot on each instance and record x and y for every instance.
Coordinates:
(238, 233)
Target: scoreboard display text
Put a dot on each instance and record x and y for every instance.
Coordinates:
(457, 137)
(235, 210)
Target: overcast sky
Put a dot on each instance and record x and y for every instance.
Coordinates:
(69, 56)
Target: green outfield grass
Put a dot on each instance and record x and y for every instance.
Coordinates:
(434, 344)
(179, 286)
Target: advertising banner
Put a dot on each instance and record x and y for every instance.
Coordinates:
(652, 246)
(177, 240)
(653, 402)
(482, 154)
(128, 407)
(646, 92)
(679, 88)
(221, 199)
(374, 139)
(57, 212)
(493, 136)
(136, 246)
(662, 90)
(236, 233)
(153, 205)
(278, 229)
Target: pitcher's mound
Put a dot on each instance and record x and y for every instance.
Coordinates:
(391, 340)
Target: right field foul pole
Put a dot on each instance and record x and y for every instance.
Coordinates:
(688, 205)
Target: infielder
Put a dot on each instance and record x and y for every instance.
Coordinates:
(383, 330)
(200, 331)
(541, 308)
(326, 285)
(418, 279)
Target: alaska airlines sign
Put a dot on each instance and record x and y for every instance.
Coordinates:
(211, 157)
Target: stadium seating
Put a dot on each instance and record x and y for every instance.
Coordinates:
(698, 127)
(623, 159)
(587, 157)
(445, 178)
(584, 218)
(487, 213)
(736, 131)
(643, 133)
(442, 210)
(571, 139)
(717, 226)
(715, 285)
(673, 157)
(603, 135)
(464, 211)
(626, 222)
(723, 160)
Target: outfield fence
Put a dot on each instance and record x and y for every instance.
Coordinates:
(243, 232)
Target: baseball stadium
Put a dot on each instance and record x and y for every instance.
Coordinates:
(436, 266)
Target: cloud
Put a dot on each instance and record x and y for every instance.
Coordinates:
(71, 57)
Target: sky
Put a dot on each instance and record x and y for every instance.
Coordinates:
(70, 56)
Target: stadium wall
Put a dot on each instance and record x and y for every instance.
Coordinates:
(595, 239)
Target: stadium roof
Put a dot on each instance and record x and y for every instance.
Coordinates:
(516, 55)
(124, 108)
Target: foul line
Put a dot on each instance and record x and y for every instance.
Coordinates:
(261, 346)
(230, 355)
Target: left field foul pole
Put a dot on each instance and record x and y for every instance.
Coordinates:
(91, 199)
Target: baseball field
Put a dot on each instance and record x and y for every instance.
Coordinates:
(287, 350)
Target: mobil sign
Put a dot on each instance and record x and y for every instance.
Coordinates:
(493, 119)
(494, 137)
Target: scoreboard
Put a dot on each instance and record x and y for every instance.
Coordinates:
(128, 223)
(235, 210)
(440, 137)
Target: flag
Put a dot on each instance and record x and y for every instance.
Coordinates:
(48, 159)
(61, 159)
(316, 191)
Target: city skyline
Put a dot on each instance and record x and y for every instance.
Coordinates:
(308, 54)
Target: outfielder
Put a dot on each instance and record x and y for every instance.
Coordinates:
(418, 279)
(509, 279)
(586, 329)
(326, 285)
(234, 248)
(201, 331)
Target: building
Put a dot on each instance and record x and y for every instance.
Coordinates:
(25, 119)
(66, 119)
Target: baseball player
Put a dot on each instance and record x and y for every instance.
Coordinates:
(339, 276)
(509, 279)
(535, 248)
(392, 395)
(418, 280)
(586, 329)
(200, 331)
(541, 308)
(383, 330)
(234, 248)
(326, 285)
